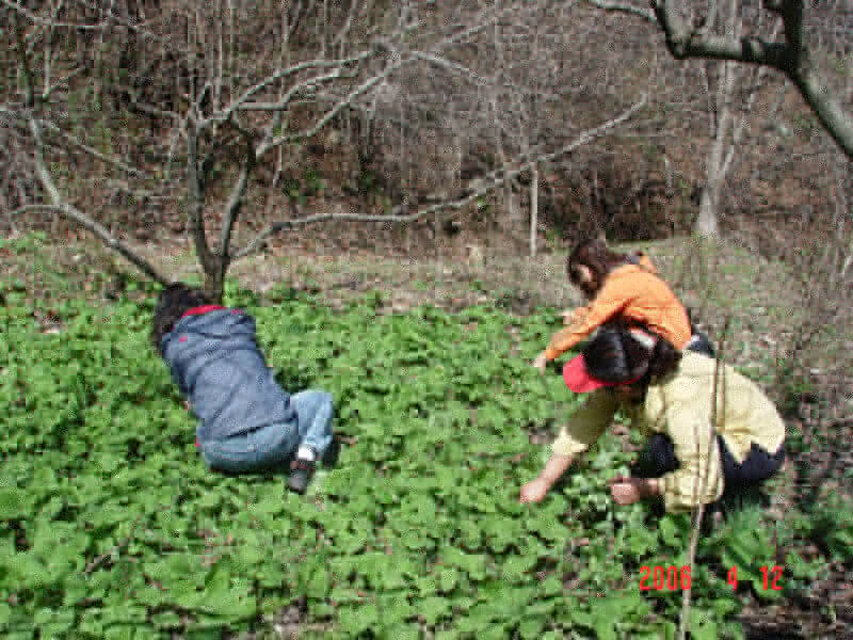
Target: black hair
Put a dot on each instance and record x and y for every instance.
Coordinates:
(662, 361)
(174, 301)
(615, 356)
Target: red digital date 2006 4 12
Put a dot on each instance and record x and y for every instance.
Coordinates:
(673, 578)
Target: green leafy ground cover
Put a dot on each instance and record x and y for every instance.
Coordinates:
(110, 526)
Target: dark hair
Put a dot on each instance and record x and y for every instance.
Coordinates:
(594, 255)
(615, 356)
(662, 361)
(174, 301)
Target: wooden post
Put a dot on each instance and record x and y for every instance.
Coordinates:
(534, 209)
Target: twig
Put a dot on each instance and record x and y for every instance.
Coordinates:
(242, 100)
(620, 7)
(698, 512)
(59, 205)
(347, 100)
(29, 15)
(94, 152)
(48, 90)
(454, 67)
(101, 559)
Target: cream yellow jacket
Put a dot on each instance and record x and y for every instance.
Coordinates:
(680, 406)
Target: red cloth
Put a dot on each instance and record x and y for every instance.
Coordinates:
(197, 311)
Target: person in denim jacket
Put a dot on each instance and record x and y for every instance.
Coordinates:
(247, 422)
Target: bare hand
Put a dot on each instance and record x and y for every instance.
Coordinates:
(533, 491)
(540, 363)
(627, 490)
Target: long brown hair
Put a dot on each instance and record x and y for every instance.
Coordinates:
(595, 256)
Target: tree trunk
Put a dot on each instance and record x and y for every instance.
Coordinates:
(707, 224)
(511, 212)
(214, 282)
(534, 209)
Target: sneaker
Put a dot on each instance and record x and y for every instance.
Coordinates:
(301, 471)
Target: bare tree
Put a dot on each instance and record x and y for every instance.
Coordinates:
(726, 126)
(716, 29)
(687, 33)
(236, 108)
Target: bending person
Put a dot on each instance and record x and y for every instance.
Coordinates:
(696, 452)
(623, 287)
(247, 422)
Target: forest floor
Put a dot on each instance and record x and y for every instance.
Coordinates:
(758, 301)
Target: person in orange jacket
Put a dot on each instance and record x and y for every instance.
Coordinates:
(623, 287)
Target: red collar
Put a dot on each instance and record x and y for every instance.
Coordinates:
(197, 311)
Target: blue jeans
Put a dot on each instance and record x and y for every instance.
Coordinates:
(274, 445)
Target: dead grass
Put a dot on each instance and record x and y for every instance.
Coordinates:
(762, 300)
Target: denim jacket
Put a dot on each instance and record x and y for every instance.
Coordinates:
(216, 363)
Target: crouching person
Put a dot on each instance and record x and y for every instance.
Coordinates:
(697, 452)
(247, 422)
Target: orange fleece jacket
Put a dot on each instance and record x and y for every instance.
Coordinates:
(637, 295)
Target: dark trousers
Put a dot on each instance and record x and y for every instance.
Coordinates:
(658, 458)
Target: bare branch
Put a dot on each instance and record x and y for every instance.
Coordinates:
(345, 29)
(69, 211)
(455, 67)
(750, 101)
(240, 103)
(792, 18)
(120, 186)
(346, 101)
(196, 200)
(93, 152)
(132, 26)
(29, 15)
(285, 99)
(35, 208)
(238, 192)
(835, 119)
(619, 7)
(190, 119)
(478, 25)
(791, 57)
(29, 80)
(48, 90)
(488, 183)
(699, 487)
(685, 42)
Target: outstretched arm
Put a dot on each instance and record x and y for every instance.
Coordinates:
(584, 428)
(609, 302)
(536, 489)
